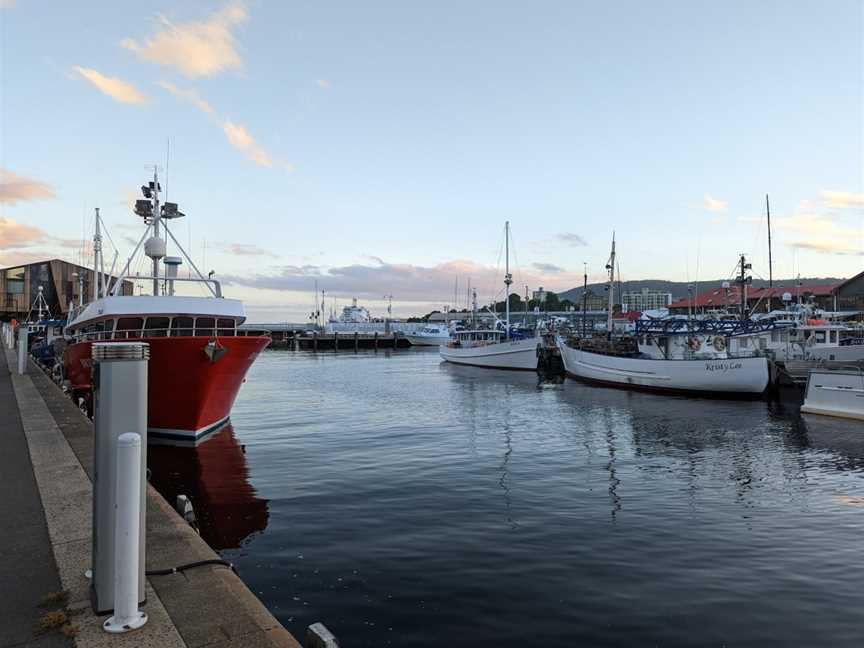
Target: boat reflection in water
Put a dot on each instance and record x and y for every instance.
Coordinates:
(215, 476)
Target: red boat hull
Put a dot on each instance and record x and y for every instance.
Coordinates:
(189, 397)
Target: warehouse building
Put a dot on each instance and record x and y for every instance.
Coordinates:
(61, 282)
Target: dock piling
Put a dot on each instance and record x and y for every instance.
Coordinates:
(22, 350)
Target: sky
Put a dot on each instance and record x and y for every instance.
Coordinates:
(377, 148)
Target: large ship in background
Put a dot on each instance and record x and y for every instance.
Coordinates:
(198, 357)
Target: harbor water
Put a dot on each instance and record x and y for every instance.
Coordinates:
(406, 502)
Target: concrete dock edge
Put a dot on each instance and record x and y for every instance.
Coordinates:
(205, 606)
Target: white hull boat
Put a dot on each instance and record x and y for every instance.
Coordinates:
(710, 375)
(837, 393)
(427, 340)
(429, 336)
(506, 354)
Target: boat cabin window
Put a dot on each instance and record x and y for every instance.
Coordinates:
(205, 326)
(225, 326)
(820, 337)
(156, 327)
(833, 337)
(94, 331)
(129, 327)
(182, 327)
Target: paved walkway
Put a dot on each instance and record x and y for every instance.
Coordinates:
(27, 568)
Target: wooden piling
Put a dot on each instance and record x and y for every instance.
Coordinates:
(356, 341)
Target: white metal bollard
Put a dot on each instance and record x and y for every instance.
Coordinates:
(127, 616)
(22, 349)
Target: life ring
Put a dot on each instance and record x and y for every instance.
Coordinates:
(694, 343)
(719, 344)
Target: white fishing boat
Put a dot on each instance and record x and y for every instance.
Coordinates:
(431, 335)
(491, 349)
(494, 348)
(674, 361)
(837, 393)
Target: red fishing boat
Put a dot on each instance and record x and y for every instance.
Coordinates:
(198, 355)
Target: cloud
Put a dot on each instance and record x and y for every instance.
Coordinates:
(246, 249)
(196, 49)
(714, 204)
(18, 235)
(15, 188)
(549, 268)
(407, 282)
(815, 231)
(842, 199)
(324, 84)
(571, 239)
(115, 88)
(830, 247)
(188, 94)
(240, 139)
(237, 135)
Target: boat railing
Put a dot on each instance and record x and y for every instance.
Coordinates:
(706, 327)
(214, 285)
(136, 334)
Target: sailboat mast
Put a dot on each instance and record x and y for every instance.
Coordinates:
(770, 264)
(508, 278)
(611, 268)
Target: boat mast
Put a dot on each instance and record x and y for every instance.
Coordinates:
(96, 287)
(156, 218)
(770, 264)
(474, 309)
(508, 278)
(742, 281)
(584, 300)
(611, 268)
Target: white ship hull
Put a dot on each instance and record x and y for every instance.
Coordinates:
(835, 393)
(515, 354)
(427, 340)
(719, 376)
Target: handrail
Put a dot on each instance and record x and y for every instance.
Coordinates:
(217, 286)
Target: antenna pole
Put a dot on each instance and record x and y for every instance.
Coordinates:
(156, 218)
(96, 288)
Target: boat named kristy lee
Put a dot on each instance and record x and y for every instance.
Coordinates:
(669, 360)
(198, 358)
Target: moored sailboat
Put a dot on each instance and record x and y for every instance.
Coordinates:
(493, 348)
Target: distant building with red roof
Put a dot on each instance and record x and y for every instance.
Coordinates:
(846, 295)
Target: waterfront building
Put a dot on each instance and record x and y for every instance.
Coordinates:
(62, 283)
(645, 300)
(539, 295)
(847, 296)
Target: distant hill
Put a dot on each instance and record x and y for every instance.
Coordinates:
(679, 288)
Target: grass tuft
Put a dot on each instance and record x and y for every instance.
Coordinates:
(51, 620)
